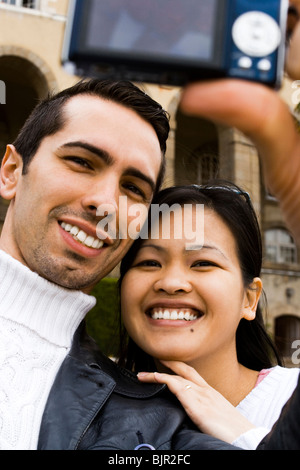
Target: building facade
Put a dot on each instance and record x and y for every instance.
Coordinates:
(31, 39)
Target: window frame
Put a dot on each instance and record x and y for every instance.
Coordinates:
(278, 251)
(20, 4)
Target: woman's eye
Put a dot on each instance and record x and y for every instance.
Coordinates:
(149, 263)
(203, 264)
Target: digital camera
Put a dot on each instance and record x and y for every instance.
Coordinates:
(173, 42)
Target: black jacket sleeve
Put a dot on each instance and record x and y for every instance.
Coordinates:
(285, 434)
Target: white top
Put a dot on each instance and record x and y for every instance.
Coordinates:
(37, 322)
(263, 405)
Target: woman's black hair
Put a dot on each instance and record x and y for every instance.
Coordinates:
(255, 349)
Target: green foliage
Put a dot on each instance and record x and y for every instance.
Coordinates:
(103, 319)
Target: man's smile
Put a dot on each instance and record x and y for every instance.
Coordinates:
(82, 237)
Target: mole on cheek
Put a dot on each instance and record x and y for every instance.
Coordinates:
(192, 331)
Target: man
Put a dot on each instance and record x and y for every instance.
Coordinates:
(87, 156)
(77, 154)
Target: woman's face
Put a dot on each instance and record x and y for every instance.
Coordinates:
(181, 304)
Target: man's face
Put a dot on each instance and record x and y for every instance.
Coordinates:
(103, 152)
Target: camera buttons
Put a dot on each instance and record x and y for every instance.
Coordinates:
(256, 34)
(245, 63)
(264, 65)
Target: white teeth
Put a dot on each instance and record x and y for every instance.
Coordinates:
(74, 230)
(89, 241)
(96, 244)
(166, 315)
(174, 314)
(82, 237)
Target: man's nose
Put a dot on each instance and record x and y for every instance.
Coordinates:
(102, 197)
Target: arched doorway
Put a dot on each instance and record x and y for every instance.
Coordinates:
(25, 85)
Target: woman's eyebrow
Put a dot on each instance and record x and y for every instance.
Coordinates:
(156, 247)
(198, 247)
(191, 248)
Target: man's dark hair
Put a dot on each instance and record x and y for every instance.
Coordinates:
(48, 118)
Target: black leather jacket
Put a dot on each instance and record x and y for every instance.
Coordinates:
(96, 405)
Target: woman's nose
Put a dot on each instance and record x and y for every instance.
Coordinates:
(173, 282)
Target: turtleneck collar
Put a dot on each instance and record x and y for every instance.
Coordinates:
(51, 311)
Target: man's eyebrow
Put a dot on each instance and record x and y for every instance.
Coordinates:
(108, 159)
(90, 148)
(131, 171)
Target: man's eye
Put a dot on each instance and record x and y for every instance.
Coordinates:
(80, 161)
(135, 189)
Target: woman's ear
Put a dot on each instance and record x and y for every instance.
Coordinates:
(10, 172)
(252, 296)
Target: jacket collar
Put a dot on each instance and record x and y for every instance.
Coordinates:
(85, 349)
(82, 386)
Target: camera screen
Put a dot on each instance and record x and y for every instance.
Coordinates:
(160, 28)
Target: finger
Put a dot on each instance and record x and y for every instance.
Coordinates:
(187, 392)
(148, 377)
(156, 377)
(185, 371)
(226, 101)
(175, 383)
(214, 98)
(253, 108)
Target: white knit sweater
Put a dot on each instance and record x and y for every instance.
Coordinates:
(37, 323)
(263, 405)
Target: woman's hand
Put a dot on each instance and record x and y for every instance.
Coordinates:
(206, 407)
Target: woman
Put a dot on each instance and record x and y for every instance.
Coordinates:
(192, 313)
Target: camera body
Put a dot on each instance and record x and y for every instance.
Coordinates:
(173, 42)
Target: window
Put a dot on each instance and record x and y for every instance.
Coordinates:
(207, 166)
(23, 3)
(280, 247)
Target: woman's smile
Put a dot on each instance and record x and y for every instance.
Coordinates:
(185, 303)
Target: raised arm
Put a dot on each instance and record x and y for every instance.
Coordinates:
(259, 113)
